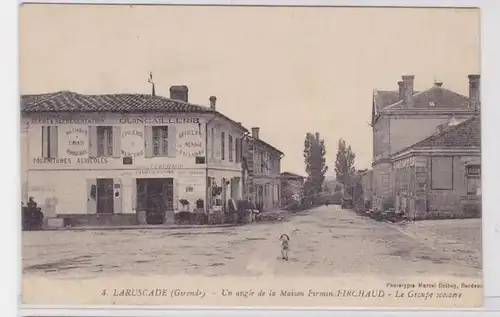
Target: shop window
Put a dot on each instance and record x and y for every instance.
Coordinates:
(442, 173)
(473, 178)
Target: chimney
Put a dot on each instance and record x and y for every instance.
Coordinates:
(408, 89)
(255, 133)
(179, 93)
(401, 90)
(474, 92)
(213, 100)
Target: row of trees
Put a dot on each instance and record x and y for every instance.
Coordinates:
(316, 166)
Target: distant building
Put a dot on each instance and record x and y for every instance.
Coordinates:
(440, 177)
(104, 159)
(262, 163)
(292, 186)
(404, 117)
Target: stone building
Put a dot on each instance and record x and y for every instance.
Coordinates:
(292, 187)
(106, 159)
(404, 117)
(263, 165)
(440, 176)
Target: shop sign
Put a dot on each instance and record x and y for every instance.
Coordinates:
(404, 163)
(190, 143)
(132, 143)
(65, 120)
(474, 171)
(77, 139)
(157, 169)
(159, 120)
(67, 160)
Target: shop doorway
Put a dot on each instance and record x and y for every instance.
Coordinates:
(155, 196)
(104, 195)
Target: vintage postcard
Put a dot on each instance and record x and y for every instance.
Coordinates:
(250, 156)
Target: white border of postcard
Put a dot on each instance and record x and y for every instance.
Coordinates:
(10, 194)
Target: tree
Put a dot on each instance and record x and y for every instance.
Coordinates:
(314, 158)
(344, 164)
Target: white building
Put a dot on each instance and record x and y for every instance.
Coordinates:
(100, 159)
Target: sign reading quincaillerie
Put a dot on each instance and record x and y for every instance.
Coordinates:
(159, 120)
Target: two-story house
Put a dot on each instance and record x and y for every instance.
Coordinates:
(263, 164)
(404, 117)
(118, 158)
(292, 186)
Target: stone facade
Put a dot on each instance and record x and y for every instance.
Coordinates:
(440, 177)
(102, 166)
(291, 185)
(404, 117)
(263, 161)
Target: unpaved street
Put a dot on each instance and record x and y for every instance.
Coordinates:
(324, 241)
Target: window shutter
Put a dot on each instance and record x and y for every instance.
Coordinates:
(91, 196)
(117, 201)
(134, 197)
(117, 138)
(148, 141)
(175, 202)
(53, 141)
(212, 144)
(172, 141)
(45, 141)
(93, 141)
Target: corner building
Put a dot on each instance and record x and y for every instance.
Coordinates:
(104, 159)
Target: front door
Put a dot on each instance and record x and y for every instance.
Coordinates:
(105, 195)
(155, 196)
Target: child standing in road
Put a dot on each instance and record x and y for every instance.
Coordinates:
(284, 240)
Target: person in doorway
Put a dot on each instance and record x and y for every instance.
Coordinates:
(285, 241)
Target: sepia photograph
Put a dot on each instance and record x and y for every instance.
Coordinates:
(250, 156)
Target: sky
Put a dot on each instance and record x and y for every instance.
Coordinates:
(287, 70)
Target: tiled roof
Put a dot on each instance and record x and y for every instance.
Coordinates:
(291, 175)
(435, 98)
(465, 135)
(66, 101)
(384, 98)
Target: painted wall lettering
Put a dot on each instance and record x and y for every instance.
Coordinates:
(51, 160)
(132, 143)
(92, 160)
(190, 143)
(67, 160)
(65, 120)
(76, 141)
(158, 120)
(405, 163)
(157, 169)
